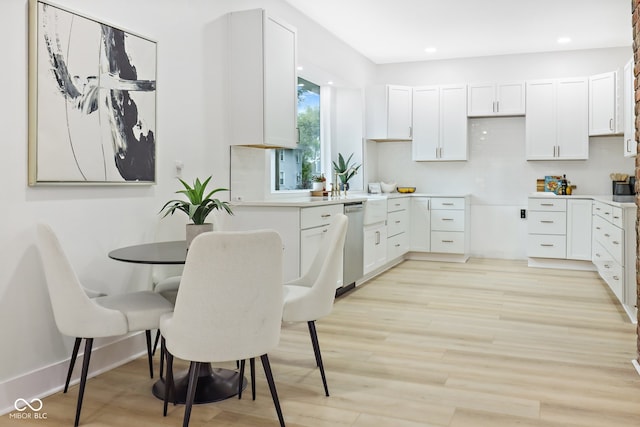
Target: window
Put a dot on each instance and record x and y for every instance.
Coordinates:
(305, 160)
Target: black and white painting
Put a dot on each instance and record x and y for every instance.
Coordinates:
(92, 101)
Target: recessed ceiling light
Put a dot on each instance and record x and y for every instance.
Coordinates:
(330, 82)
(564, 40)
(300, 68)
(431, 50)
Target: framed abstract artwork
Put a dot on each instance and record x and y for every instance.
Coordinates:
(92, 100)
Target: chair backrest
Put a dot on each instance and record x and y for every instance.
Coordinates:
(229, 305)
(171, 227)
(75, 314)
(324, 274)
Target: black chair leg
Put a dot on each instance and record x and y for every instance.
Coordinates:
(240, 380)
(72, 362)
(272, 387)
(163, 352)
(83, 377)
(155, 343)
(191, 391)
(316, 351)
(168, 384)
(149, 353)
(252, 362)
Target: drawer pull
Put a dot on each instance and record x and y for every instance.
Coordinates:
(616, 278)
(607, 266)
(607, 213)
(616, 217)
(546, 245)
(546, 204)
(447, 241)
(397, 222)
(325, 215)
(606, 235)
(598, 255)
(447, 204)
(397, 245)
(546, 221)
(615, 242)
(597, 228)
(447, 219)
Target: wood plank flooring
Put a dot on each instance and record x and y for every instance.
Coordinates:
(486, 343)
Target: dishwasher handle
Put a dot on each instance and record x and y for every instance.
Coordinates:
(353, 207)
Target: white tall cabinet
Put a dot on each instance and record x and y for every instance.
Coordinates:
(556, 124)
(262, 80)
(439, 123)
(629, 106)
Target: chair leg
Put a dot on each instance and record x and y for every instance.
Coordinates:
(162, 354)
(149, 353)
(191, 391)
(316, 351)
(241, 374)
(83, 377)
(168, 384)
(155, 343)
(272, 387)
(72, 362)
(252, 362)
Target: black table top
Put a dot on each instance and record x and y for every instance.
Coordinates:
(174, 252)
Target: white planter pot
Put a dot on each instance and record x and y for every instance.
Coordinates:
(194, 229)
(317, 186)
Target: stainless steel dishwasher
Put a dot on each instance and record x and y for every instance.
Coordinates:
(353, 246)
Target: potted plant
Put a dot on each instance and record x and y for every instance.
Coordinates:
(345, 170)
(318, 182)
(197, 207)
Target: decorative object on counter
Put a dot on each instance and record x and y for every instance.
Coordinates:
(620, 184)
(197, 207)
(318, 182)
(388, 187)
(345, 171)
(406, 189)
(551, 183)
(374, 188)
(539, 185)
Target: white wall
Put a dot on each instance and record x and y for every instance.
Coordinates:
(497, 175)
(92, 220)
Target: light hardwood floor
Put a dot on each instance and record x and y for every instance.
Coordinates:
(486, 343)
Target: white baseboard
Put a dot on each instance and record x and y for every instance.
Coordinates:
(564, 264)
(636, 365)
(50, 379)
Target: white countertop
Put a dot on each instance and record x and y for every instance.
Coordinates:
(601, 198)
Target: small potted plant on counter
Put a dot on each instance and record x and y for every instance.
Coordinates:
(197, 207)
(318, 182)
(345, 170)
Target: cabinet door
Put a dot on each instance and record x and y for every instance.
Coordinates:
(280, 84)
(375, 247)
(510, 98)
(602, 90)
(399, 112)
(426, 127)
(420, 239)
(480, 102)
(453, 123)
(310, 240)
(630, 143)
(572, 121)
(579, 229)
(540, 121)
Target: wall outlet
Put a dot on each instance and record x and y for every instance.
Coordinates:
(523, 213)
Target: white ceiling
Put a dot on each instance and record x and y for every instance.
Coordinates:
(389, 31)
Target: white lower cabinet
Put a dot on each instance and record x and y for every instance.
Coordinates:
(420, 212)
(397, 227)
(314, 223)
(449, 225)
(375, 246)
(579, 229)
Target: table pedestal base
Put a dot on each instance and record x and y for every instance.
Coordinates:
(214, 384)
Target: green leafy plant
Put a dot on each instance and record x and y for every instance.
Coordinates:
(344, 169)
(198, 206)
(319, 178)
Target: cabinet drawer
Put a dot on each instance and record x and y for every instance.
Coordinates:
(397, 222)
(546, 246)
(456, 203)
(613, 275)
(547, 204)
(547, 222)
(602, 210)
(599, 256)
(397, 246)
(616, 216)
(318, 215)
(398, 204)
(600, 228)
(451, 242)
(445, 220)
(614, 243)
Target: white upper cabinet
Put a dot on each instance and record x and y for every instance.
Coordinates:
(262, 80)
(389, 113)
(604, 104)
(556, 124)
(439, 123)
(496, 99)
(630, 143)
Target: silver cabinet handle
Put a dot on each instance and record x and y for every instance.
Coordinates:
(607, 266)
(447, 219)
(598, 255)
(497, 106)
(397, 222)
(325, 215)
(410, 131)
(607, 213)
(546, 204)
(397, 245)
(616, 217)
(606, 235)
(546, 221)
(615, 242)
(597, 228)
(447, 241)
(610, 124)
(447, 204)
(377, 237)
(616, 278)
(546, 245)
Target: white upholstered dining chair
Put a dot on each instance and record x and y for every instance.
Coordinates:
(311, 296)
(229, 306)
(79, 316)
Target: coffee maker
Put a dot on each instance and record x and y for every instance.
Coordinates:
(624, 191)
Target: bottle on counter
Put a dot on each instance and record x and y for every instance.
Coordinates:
(563, 185)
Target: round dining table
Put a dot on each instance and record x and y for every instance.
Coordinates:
(214, 384)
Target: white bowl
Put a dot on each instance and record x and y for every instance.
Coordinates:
(388, 187)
